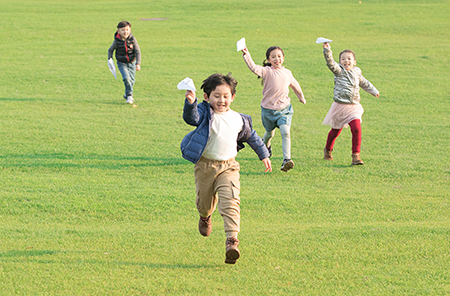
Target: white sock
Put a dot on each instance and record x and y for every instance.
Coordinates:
(268, 137)
(286, 140)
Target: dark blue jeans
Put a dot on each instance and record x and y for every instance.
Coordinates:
(128, 71)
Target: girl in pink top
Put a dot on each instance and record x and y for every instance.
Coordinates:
(276, 108)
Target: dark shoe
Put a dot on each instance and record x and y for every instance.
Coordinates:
(205, 226)
(356, 159)
(232, 254)
(327, 154)
(287, 165)
(270, 151)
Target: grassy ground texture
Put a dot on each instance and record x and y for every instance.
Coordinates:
(95, 198)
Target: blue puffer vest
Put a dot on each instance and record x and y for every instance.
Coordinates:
(194, 143)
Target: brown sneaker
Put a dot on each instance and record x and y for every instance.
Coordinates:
(287, 165)
(327, 154)
(356, 159)
(232, 254)
(205, 225)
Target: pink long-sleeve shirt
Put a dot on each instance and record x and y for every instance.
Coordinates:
(276, 85)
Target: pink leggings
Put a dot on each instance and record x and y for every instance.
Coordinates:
(355, 126)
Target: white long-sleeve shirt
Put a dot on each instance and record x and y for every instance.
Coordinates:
(224, 131)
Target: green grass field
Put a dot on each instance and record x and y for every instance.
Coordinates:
(95, 198)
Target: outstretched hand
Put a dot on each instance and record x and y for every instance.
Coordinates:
(326, 45)
(267, 164)
(245, 51)
(190, 96)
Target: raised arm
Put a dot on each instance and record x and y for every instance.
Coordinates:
(190, 96)
(256, 69)
(191, 113)
(331, 63)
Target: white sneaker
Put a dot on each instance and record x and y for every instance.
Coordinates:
(130, 100)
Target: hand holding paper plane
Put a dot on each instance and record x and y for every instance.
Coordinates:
(323, 40)
(240, 45)
(112, 68)
(186, 84)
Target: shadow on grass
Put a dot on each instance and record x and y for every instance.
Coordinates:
(301, 166)
(113, 103)
(35, 253)
(344, 166)
(21, 100)
(27, 253)
(159, 265)
(61, 160)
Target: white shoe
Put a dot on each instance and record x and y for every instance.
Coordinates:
(130, 100)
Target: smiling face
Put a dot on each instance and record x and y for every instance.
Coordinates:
(347, 59)
(220, 98)
(276, 58)
(124, 32)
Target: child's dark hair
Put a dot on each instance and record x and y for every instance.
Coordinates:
(265, 62)
(213, 81)
(269, 50)
(123, 24)
(347, 50)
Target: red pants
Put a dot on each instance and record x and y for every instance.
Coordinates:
(355, 126)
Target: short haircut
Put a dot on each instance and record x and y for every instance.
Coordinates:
(213, 81)
(347, 50)
(123, 24)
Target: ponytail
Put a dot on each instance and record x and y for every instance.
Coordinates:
(265, 62)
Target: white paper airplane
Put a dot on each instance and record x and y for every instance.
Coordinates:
(240, 45)
(112, 68)
(186, 84)
(323, 40)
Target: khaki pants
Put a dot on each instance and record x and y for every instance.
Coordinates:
(217, 184)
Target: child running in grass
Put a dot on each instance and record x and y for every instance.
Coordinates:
(128, 56)
(276, 108)
(346, 109)
(220, 132)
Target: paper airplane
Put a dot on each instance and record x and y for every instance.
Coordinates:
(240, 45)
(112, 68)
(186, 84)
(323, 40)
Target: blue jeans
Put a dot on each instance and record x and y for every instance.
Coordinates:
(128, 71)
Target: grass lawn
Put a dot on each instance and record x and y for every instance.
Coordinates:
(95, 198)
